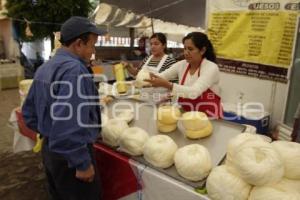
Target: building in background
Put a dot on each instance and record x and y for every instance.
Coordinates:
(8, 47)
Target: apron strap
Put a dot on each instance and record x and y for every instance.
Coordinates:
(185, 74)
(148, 60)
(156, 69)
(162, 61)
(187, 70)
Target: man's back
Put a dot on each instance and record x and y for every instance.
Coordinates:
(60, 72)
(63, 105)
(60, 106)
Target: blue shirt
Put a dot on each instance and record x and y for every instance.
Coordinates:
(63, 105)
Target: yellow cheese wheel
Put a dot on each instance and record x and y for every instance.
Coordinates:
(194, 120)
(168, 114)
(199, 134)
(166, 128)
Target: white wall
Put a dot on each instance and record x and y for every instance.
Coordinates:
(271, 94)
(281, 93)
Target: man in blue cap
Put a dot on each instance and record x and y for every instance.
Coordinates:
(63, 106)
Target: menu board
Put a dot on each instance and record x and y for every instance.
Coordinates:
(258, 44)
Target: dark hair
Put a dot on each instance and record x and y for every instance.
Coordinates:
(84, 37)
(162, 38)
(201, 40)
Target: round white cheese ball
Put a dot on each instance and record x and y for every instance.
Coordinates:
(238, 141)
(133, 140)
(221, 184)
(159, 151)
(112, 131)
(258, 163)
(283, 190)
(290, 155)
(193, 162)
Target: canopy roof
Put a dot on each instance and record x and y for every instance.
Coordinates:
(111, 15)
(185, 12)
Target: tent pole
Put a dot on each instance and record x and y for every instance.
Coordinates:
(150, 11)
(131, 35)
(152, 25)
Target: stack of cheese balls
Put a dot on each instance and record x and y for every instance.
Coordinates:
(167, 117)
(196, 125)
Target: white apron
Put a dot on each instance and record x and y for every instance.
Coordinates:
(154, 70)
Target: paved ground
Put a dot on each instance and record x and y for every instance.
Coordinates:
(9, 99)
(21, 174)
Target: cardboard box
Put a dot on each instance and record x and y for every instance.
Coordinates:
(10, 75)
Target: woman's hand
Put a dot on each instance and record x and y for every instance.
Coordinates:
(130, 68)
(157, 81)
(125, 64)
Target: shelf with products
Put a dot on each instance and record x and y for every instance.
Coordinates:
(127, 53)
(111, 41)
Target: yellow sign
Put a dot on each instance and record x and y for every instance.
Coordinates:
(265, 37)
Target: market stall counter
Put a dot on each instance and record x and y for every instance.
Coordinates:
(144, 117)
(131, 177)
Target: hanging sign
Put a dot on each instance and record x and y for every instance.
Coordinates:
(253, 38)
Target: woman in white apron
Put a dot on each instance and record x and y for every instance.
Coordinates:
(198, 87)
(158, 61)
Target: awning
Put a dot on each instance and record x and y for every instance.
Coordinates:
(185, 12)
(111, 15)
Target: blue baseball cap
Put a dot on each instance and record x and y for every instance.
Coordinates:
(76, 26)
